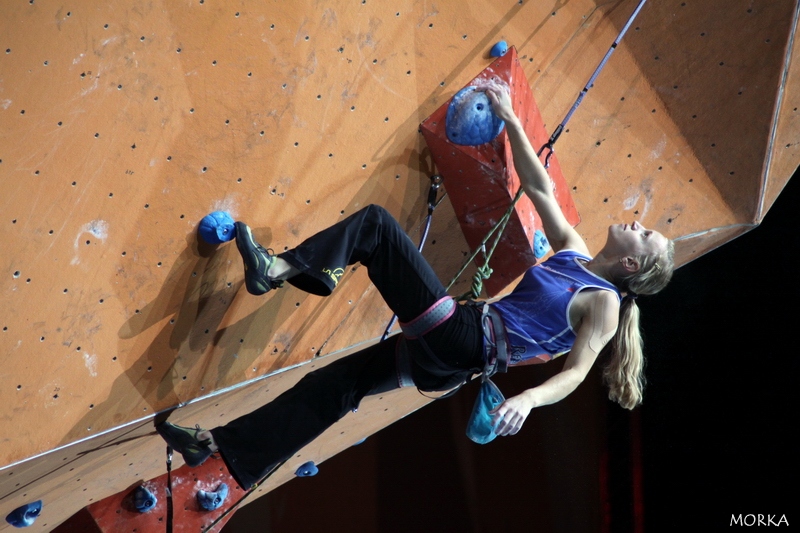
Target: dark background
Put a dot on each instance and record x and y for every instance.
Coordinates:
(713, 439)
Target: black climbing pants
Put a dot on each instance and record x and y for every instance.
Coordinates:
(252, 444)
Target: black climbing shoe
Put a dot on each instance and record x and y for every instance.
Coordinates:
(185, 442)
(257, 261)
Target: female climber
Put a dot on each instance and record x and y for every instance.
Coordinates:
(572, 303)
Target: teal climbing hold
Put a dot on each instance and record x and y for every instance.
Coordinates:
(470, 120)
(25, 515)
(540, 244)
(216, 228)
(307, 470)
(499, 49)
(211, 501)
(143, 499)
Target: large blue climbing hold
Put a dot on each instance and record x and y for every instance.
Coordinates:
(216, 228)
(540, 244)
(143, 499)
(26, 515)
(307, 470)
(211, 501)
(470, 120)
(499, 49)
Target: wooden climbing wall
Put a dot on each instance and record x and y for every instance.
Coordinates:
(122, 124)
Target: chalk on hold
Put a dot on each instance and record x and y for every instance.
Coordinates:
(26, 515)
(470, 120)
(143, 499)
(307, 470)
(216, 228)
(499, 49)
(211, 501)
(540, 244)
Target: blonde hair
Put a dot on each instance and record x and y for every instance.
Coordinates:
(624, 373)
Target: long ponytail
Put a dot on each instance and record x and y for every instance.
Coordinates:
(624, 373)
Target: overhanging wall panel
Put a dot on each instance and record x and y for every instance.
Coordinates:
(292, 115)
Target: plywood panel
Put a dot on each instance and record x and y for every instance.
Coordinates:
(783, 156)
(122, 125)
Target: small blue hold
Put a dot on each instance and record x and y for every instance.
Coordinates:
(470, 120)
(211, 501)
(499, 49)
(360, 442)
(26, 515)
(216, 228)
(307, 470)
(143, 499)
(540, 244)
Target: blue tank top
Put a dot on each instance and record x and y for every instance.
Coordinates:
(536, 313)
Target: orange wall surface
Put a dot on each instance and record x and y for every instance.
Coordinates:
(123, 124)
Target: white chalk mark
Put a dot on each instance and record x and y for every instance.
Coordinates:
(97, 228)
(227, 204)
(97, 170)
(630, 202)
(658, 151)
(94, 85)
(91, 363)
(365, 64)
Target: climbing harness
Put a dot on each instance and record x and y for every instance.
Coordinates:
(432, 317)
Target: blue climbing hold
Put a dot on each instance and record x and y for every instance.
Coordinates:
(216, 228)
(360, 442)
(499, 49)
(540, 244)
(143, 499)
(26, 515)
(470, 120)
(211, 501)
(307, 470)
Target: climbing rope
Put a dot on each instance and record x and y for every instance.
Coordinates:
(484, 272)
(236, 504)
(170, 509)
(560, 128)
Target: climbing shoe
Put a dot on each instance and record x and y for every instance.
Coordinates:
(185, 442)
(257, 261)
